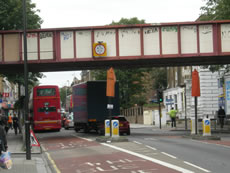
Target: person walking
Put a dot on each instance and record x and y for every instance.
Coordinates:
(15, 124)
(3, 140)
(10, 122)
(221, 116)
(4, 120)
(172, 113)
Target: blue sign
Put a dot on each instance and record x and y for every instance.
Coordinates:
(206, 122)
(115, 124)
(0, 100)
(107, 123)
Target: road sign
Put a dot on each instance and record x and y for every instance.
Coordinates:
(33, 139)
(107, 127)
(99, 49)
(115, 128)
(206, 127)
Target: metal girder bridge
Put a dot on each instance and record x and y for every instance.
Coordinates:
(123, 46)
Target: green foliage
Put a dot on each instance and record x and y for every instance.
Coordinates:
(19, 103)
(130, 21)
(131, 85)
(11, 16)
(159, 75)
(64, 91)
(215, 10)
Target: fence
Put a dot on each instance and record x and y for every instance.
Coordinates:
(134, 114)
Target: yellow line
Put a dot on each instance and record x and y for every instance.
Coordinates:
(53, 163)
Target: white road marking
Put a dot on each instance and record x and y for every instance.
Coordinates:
(151, 148)
(169, 155)
(221, 145)
(205, 170)
(137, 142)
(150, 159)
(90, 140)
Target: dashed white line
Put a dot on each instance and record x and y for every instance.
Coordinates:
(150, 159)
(151, 148)
(137, 142)
(169, 155)
(205, 170)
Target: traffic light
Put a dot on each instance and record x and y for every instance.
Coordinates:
(159, 96)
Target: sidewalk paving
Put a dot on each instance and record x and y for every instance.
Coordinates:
(37, 164)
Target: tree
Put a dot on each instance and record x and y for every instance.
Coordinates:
(11, 15)
(64, 92)
(131, 21)
(215, 10)
(11, 18)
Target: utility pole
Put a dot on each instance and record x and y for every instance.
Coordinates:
(27, 122)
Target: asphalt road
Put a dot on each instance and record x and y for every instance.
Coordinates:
(147, 151)
(209, 155)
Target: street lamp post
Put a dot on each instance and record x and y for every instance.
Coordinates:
(27, 122)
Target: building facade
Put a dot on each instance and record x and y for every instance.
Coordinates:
(8, 96)
(178, 93)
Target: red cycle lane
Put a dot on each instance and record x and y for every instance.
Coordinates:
(75, 155)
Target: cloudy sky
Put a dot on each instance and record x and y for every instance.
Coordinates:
(74, 13)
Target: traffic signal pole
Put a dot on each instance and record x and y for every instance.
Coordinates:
(159, 113)
(159, 100)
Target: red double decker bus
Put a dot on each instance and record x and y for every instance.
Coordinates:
(45, 108)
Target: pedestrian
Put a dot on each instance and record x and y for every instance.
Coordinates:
(3, 141)
(4, 120)
(221, 116)
(10, 122)
(15, 124)
(172, 113)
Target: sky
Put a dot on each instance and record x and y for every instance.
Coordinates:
(75, 13)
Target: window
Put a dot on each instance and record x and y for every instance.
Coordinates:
(46, 92)
(175, 101)
(47, 109)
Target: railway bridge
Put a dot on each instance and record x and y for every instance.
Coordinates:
(142, 45)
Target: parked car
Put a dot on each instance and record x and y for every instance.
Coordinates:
(124, 126)
(69, 123)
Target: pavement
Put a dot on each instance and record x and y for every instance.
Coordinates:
(39, 164)
(16, 147)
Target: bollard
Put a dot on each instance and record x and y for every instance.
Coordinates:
(115, 128)
(193, 128)
(206, 126)
(107, 127)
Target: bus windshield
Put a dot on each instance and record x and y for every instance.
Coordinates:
(46, 92)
